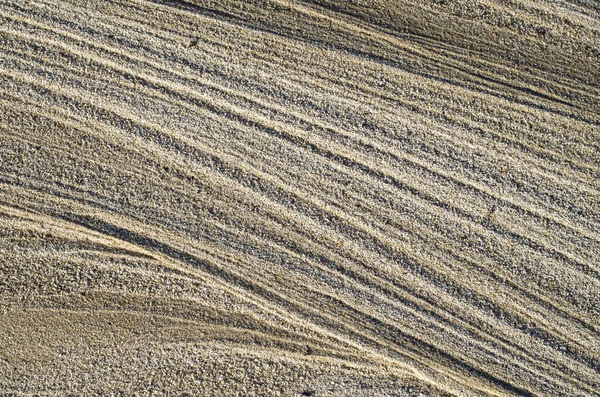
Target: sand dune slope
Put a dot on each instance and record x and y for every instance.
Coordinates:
(288, 198)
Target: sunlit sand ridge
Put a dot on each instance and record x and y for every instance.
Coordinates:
(300, 198)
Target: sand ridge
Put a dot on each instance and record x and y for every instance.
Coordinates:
(328, 198)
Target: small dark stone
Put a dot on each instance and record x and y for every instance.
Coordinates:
(497, 313)
(308, 393)
(193, 43)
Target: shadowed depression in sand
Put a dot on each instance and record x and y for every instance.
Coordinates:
(300, 198)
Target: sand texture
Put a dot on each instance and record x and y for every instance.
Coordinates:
(300, 198)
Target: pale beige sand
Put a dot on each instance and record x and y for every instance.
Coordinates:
(287, 198)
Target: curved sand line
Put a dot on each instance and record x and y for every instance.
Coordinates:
(328, 198)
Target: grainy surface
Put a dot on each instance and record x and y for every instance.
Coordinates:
(288, 198)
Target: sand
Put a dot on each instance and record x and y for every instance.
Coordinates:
(299, 198)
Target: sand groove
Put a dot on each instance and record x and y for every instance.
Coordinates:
(272, 197)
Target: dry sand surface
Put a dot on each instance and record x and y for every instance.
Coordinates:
(300, 198)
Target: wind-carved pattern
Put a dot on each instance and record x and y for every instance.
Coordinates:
(318, 198)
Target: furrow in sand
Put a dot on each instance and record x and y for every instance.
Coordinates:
(434, 58)
(171, 260)
(442, 203)
(328, 183)
(171, 40)
(472, 187)
(558, 255)
(262, 290)
(175, 255)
